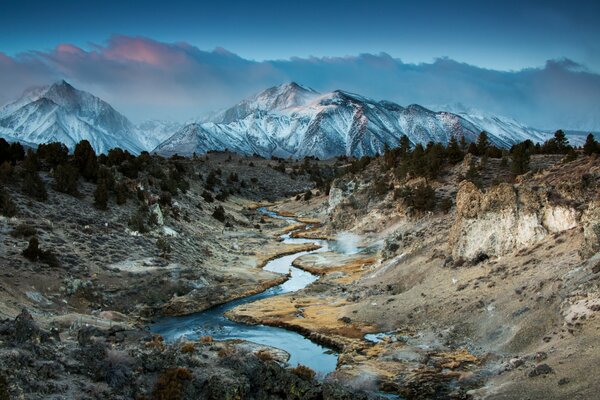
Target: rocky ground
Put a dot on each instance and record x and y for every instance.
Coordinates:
(494, 297)
(493, 293)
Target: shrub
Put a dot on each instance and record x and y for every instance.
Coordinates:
(233, 177)
(137, 221)
(188, 347)
(207, 196)
(591, 145)
(219, 213)
(34, 187)
(101, 196)
(164, 247)
(304, 372)
(446, 204)
(222, 196)
(6, 171)
(264, 355)
(121, 192)
(16, 152)
(107, 176)
(520, 158)
(421, 197)
(307, 195)
(206, 339)
(53, 154)
(84, 158)
(5, 155)
(32, 252)
(116, 368)
(23, 230)
(170, 384)
(7, 206)
(31, 162)
(165, 199)
(65, 179)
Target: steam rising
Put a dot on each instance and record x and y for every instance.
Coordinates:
(347, 243)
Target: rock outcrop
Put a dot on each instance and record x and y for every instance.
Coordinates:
(590, 221)
(504, 219)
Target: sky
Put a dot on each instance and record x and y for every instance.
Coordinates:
(178, 59)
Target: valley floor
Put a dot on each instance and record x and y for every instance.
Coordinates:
(496, 296)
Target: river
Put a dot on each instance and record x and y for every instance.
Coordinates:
(212, 322)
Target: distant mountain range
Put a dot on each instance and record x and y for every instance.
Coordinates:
(295, 121)
(61, 113)
(289, 120)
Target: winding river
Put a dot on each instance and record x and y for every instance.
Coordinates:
(212, 322)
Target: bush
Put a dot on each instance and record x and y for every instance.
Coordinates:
(591, 146)
(16, 152)
(121, 192)
(138, 221)
(31, 162)
(23, 230)
(188, 347)
(164, 247)
(34, 187)
(65, 179)
(521, 155)
(264, 355)
(7, 206)
(53, 154)
(219, 213)
(84, 158)
(304, 372)
(116, 368)
(222, 196)
(6, 172)
(165, 199)
(101, 196)
(446, 204)
(32, 252)
(170, 384)
(307, 195)
(421, 197)
(207, 197)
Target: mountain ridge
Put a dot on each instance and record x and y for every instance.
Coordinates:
(291, 120)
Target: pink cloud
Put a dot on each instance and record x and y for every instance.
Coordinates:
(142, 50)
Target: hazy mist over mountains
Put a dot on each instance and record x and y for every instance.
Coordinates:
(149, 79)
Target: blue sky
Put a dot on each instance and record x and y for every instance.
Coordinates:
(536, 61)
(493, 34)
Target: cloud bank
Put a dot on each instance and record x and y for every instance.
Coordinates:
(144, 79)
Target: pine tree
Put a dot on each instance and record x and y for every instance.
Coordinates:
(84, 158)
(520, 158)
(591, 145)
(65, 179)
(455, 154)
(404, 146)
(417, 161)
(101, 196)
(463, 144)
(562, 142)
(483, 143)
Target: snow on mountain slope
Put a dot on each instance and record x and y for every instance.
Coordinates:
(292, 120)
(62, 113)
(153, 132)
(507, 130)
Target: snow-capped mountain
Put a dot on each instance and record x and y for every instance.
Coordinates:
(61, 113)
(153, 132)
(507, 130)
(293, 120)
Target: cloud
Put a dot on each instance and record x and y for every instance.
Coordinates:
(144, 78)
